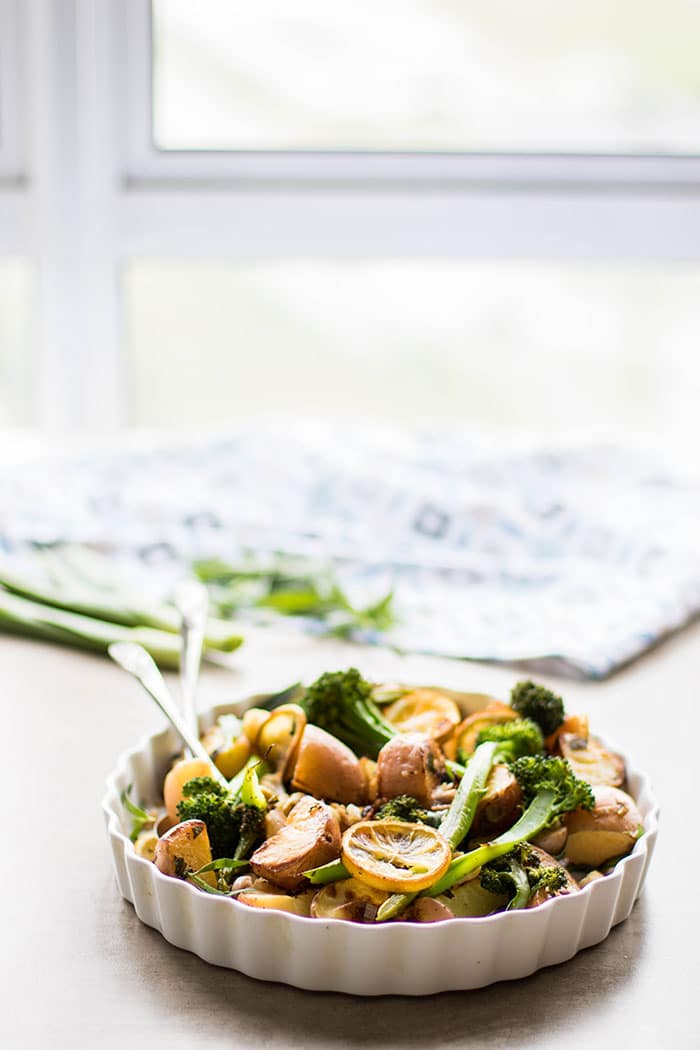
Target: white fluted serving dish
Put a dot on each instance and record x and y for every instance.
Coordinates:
(399, 958)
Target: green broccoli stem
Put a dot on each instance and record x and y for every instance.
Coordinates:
(535, 818)
(521, 897)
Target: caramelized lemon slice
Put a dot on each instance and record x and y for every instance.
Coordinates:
(395, 856)
(424, 711)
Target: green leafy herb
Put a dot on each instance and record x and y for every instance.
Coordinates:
(292, 586)
(141, 819)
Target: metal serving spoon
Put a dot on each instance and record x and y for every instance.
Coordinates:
(192, 603)
(134, 659)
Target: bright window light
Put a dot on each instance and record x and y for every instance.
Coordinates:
(505, 345)
(430, 75)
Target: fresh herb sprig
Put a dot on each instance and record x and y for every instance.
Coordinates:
(292, 587)
(140, 818)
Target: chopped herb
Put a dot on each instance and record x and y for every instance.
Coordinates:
(292, 586)
(141, 819)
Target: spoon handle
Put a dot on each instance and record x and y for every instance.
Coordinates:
(134, 659)
(192, 603)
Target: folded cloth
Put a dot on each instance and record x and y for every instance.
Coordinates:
(570, 559)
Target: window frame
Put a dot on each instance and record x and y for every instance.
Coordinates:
(84, 72)
(10, 92)
(233, 205)
(147, 161)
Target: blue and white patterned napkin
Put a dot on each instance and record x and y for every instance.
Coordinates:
(571, 560)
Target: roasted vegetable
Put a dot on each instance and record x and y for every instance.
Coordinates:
(410, 764)
(404, 807)
(609, 829)
(549, 789)
(521, 736)
(183, 771)
(185, 849)
(325, 767)
(539, 704)
(423, 711)
(234, 820)
(591, 761)
(341, 703)
(528, 875)
(311, 837)
(227, 744)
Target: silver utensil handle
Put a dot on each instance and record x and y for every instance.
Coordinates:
(192, 603)
(134, 659)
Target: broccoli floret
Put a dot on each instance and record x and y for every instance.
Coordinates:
(520, 736)
(405, 807)
(233, 827)
(539, 775)
(508, 875)
(550, 878)
(539, 704)
(520, 874)
(505, 877)
(341, 703)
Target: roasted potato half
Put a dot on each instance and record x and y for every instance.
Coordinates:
(410, 764)
(184, 770)
(324, 767)
(183, 849)
(608, 830)
(310, 837)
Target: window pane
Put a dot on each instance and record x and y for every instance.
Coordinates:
(452, 75)
(546, 347)
(14, 332)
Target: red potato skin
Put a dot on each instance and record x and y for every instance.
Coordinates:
(500, 806)
(326, 768)
(310, 837)
(410, 764)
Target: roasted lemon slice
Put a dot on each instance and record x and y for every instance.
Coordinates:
(424, 711)
(395, 856)
(465, 735)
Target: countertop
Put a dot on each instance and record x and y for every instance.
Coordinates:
(80, 971)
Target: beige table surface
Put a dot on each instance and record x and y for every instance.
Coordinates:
(79, 970)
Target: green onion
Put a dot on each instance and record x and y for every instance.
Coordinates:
(53, 624)
(331, 872)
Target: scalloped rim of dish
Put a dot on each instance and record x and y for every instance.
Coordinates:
(139, 881)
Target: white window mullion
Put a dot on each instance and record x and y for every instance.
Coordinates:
(246, 225)
(73, 186)
(10, 91)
